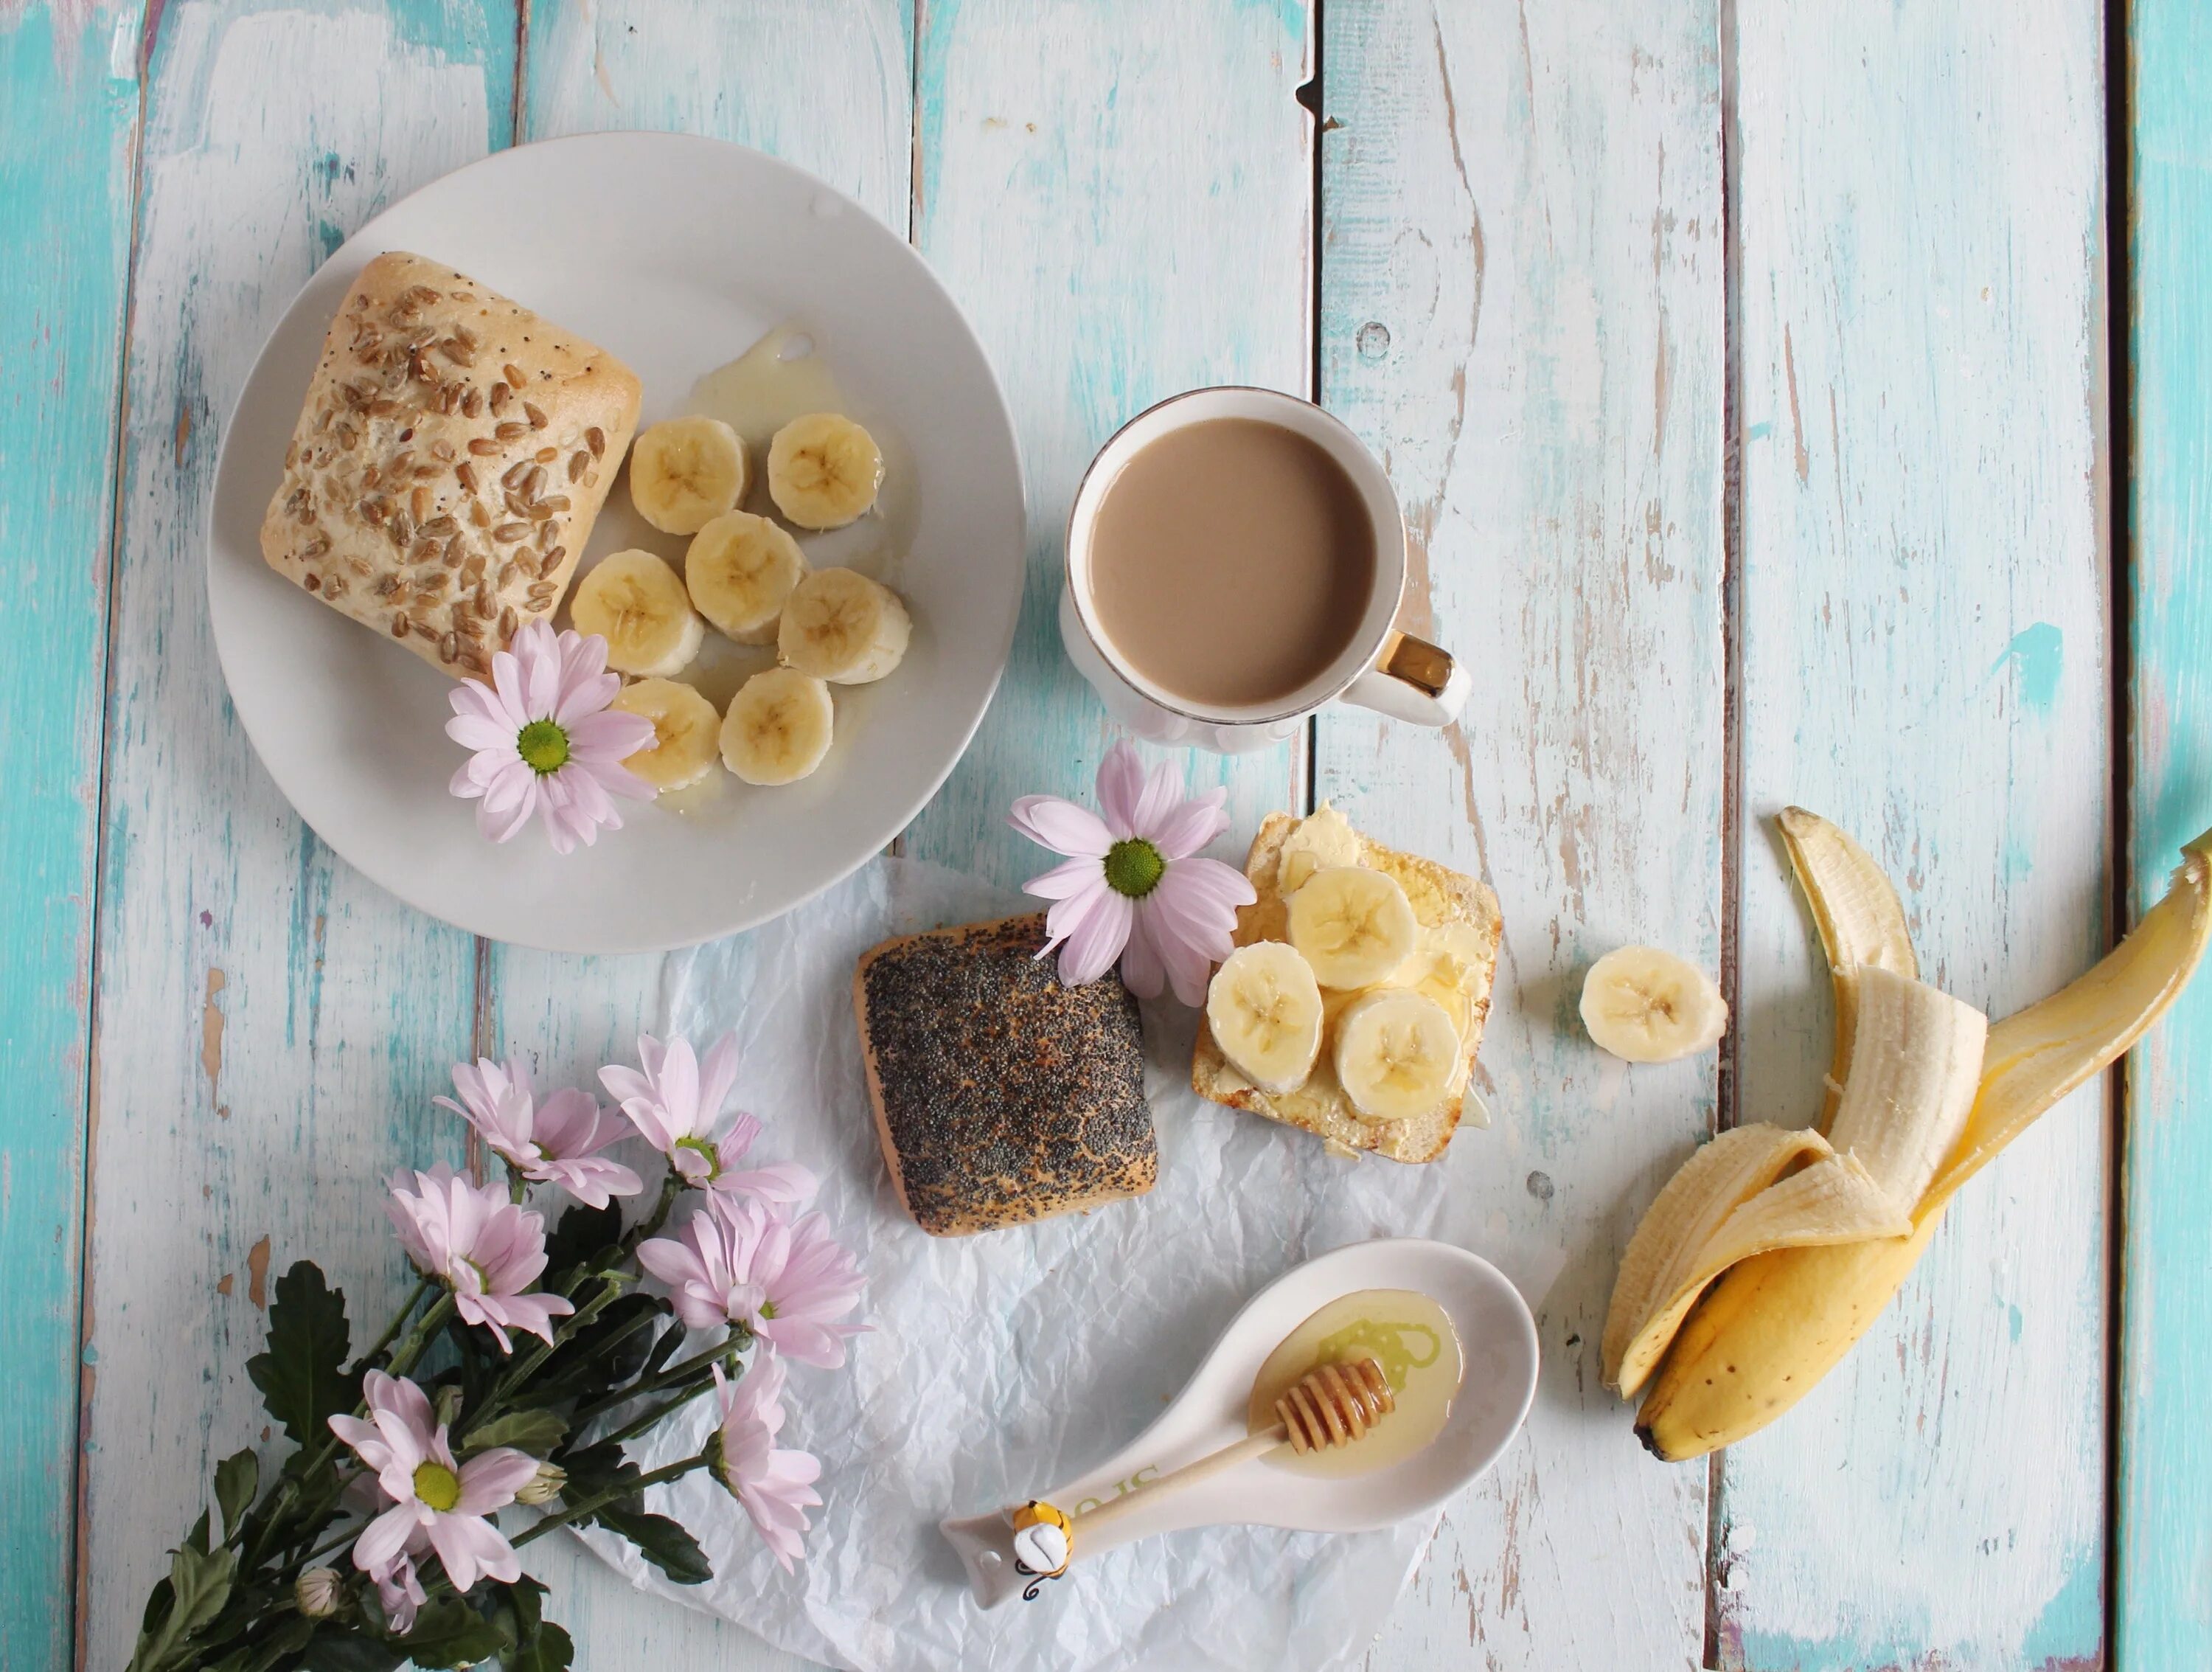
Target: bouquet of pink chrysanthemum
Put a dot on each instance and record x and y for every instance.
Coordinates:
(378, 1540)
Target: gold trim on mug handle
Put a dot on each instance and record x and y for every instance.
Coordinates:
(1411, 680)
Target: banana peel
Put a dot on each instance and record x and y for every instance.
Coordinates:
(1775, 1323)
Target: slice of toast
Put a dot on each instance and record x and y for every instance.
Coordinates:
(1439, 897)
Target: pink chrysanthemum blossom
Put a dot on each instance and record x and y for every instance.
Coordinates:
(484, 1247)
(775, 1488)
(1134, 888)
(789, 1282)
(675, 1101)
(556, 1142)
(545, 740)
(433, 1498)
(396, 1588)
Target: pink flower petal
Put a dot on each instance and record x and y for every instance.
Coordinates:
(383, 1540)
(1061, 826)
(1096, 939)
(475, 732)
(1142, 972)
(610, 736)
(1065, 880)
(491, 1479)
(1182, 831)
(1161, 795)
(1120, 785)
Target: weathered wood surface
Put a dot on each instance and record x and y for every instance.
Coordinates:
(1922, 622)
(1524, 296)
(68, 109)
(2162, 1612)
(1521, 309)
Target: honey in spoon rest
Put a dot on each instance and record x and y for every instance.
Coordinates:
(1412, 1339)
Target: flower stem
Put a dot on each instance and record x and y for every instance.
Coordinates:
(423, 1288)
(667, 1407)
(592, 1506)
(738, 1340)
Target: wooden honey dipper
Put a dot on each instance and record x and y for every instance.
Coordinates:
(1329, 1406)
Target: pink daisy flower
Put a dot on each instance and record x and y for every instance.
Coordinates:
(434, 1499)
(775, 1488)
(545, 740)
(1134, 888)
(675, 1101)
(556, 1142)
(484, 1247)
(743, 1263)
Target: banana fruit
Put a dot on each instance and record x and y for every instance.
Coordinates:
(840, 626)
(1353, 925)
(1646, 1006)
(1775, 1323)
(685, 733)
(1857, 914)
(823, 471)
(637, 604)
(1265, 1009)
(1323, 838)
(1916, 1059)
(740, 569)
(778, 728)
(685, 472)
(1397, 1052)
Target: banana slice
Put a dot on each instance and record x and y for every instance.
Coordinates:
(778, 728)
(740, 568)
(685, 472)
(824, 469)
(1445, 966)
(1354, 926)
(1266, 1013)
(841, 626)
(686, 728)
(1325, 837)
(1397, 1054)
(1646, 1006)
(637, 604)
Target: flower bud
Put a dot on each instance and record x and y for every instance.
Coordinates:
(449, 1404)
(544, 1487)
(319, 1592)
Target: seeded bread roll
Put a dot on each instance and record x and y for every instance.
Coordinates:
(453, 451)
(1001, 1094)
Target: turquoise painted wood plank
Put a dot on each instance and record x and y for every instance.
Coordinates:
(1521, 310)
(753, 72)
(271, 1025)
(1923, 571)
(69, 118)
(2163, 1611)
(1124, 210)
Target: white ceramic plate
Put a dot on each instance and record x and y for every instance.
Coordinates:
(681, 253)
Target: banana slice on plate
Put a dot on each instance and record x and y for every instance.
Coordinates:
(686, 732)
(823, 471)
(1265, 1010)
(1646, 1006)
(1397, 1054)
(841, 626)
(778, 727)
(685, 472)
(637, 604)
(739, 569)
(1354, 926)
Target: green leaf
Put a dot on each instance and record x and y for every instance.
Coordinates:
(581, 1234)
(535, 1432)
(528, 1597)
(448, 1633)
(199, 1583)
(336, 1648)
(547, 1649)
(237, 1478)
(661, 1541)
(597, 1470)
(198, 1538)
(302, 1375)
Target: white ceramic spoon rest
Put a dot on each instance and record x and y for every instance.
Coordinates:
(1496, 1333)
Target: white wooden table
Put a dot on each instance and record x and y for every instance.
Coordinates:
(1748, 370)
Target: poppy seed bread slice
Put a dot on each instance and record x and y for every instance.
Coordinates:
(1001, 1094)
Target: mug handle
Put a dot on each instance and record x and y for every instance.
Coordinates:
(1411, 680)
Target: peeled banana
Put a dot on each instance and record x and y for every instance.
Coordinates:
(1265, 1010)
(740, 569)
(685, 732)
(823, 471)
(840, 626)
(1646, 1006)
(1858, 915)
(1916, 1059)
(685, 472)
(637, 604)
(778, 728)
(1397, 1053)
(1353, 925)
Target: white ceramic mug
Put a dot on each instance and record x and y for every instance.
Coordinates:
(1382, 669)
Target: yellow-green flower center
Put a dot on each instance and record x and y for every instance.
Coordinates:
(543, 747)
(1134, 867)
(437, 1486)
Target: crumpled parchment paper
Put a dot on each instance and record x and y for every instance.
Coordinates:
(1000, 1363)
